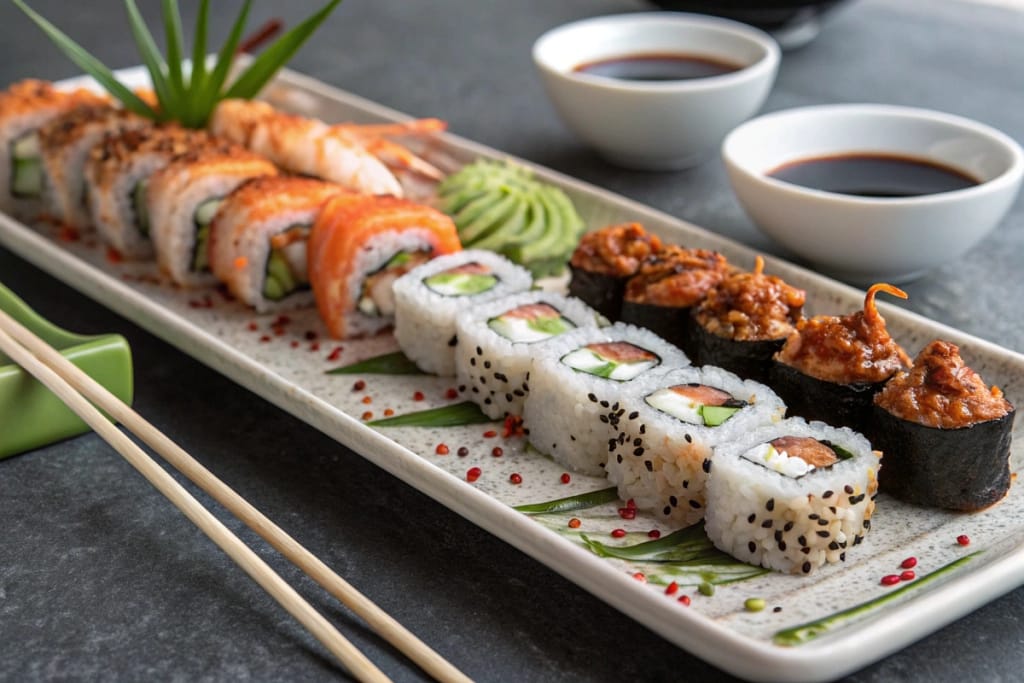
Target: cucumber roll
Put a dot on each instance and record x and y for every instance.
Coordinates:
(793, 496)
(945, 434)
(666, 429)
(500, 340)
(576, 391)
(429, 297)
(258, 240)
(605, 260)
(182, 200)
(24, 108)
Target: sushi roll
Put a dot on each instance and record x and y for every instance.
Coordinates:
(945, 434)
(429, 297)
(744, 321)
(117, 175)
(258, 240)
(665, 288)
(359, 246)
(182, 200)
(793, 496)
(830, 367)
(500, 341)
(576, 389)
(667, 428)
(65, 143)
(302, 145)
(605, 260)
(24, 108)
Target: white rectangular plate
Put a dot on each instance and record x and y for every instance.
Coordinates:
(284, 365)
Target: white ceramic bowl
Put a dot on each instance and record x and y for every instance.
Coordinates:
(655, 125)
(873, 239)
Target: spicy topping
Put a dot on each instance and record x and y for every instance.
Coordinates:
(941, 391)
(848, 349)
(620, 361)
(676, 277)
(530, 323)
(752, 306)
(617, 250)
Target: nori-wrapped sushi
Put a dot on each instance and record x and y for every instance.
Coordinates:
(831, 367)
(669, 284)
(945, 434)
(744, 321)
(604, 260)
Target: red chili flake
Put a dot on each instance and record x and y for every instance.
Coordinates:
(335, 354)
(497, 452)
(418, 396)
(618, 533)
(908, 575)
(451, 393)
(278, 331)
(631, 504)
(639, 576)
(890, 579)
(68, 234)
(463, 451)
(315, 346)
(280, 321)
(685, 599)
(310, 335)
(565, 478)
(294, 343)
(490, 434)
(367, 400)
(654, 533)
(367, 415)
(253, 326)
(359, 385)
(388, 412)
(473, 473)
(627, 513)
(513, 426)
(265, 339)
(909, 563)
(442, 449)
(963, 539)
(574, 523)
(515, 478)
(672, 588)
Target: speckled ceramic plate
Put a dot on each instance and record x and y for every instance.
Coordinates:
(854, 619)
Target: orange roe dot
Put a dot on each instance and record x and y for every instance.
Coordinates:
(388, 412)
(640, 576)
(565, 478)
(574, 523)
(442, 449)
(241, 262)
(367, 400)
(359, 385)
(367, 415)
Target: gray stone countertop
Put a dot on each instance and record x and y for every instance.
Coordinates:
(101, 579)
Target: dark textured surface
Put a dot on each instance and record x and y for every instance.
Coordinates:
(101, 579)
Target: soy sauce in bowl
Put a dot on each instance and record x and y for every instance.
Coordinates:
(658, 67)
(873, 175)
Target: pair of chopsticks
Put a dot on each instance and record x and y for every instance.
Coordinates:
(85, 397)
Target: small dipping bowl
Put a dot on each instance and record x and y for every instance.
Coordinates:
(655, 124)
(866, 239)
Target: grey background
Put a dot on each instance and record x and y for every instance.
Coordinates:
(101, 579)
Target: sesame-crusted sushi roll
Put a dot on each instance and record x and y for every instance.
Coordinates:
(258, 240)
(500, 341)
(117, 181)
(667, 428)
(359, 246)
(792, 496)
(65, 143)
(182, 199)
(429, 297)
(578, 385)
(24, 108)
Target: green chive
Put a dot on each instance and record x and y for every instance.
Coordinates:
(152, 59)
(455, 415)
(581, 501)
(396, 363)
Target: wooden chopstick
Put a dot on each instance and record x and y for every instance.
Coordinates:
(64, 378)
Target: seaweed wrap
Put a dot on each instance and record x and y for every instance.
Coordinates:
(500, 342)
(24, 108)
(744, 321)
(792, 496)
(429, 297)
(830, 367)
(666, 430)
(605, 260)
(945, 434)
(576, 391)
(258, 240)
(665, 288)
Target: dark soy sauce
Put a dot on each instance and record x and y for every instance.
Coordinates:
(874, 175)
(658, 67)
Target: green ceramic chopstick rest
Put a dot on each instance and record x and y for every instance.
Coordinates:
(30, 415)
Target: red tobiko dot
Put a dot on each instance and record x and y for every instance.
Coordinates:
(685, 599)
(909, 563)
(451, 393)
(253, 326)
(418, 396)
(618, 533)
(515, 478)
(490, 434)
(640, 576)
(890, 579)
(631, 503)
(315, 346)
(672, 588)
(907, 575)
(462, 452)
(265, 339)
(654, 533)
(963, 539)
(368, 415)
(335, 354)
(442, 449)
(294, 343)
(473, 473)
(574, 523)
(359, 385)
(497, 452)
(627, 513)
(565, 478)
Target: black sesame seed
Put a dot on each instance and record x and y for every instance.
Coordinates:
(476, 390)
(823, 533)
(813, 515)
(789, 525)
(778, 535)
(519, 392)
(643, 429)
(603, 418)
(508, 398)
(472, 361)
(634, 415)
(572, 437)
(638, 452)
(833, 546)
(867, 523)
(752, 547)
(767, 524)
(805, 550)
(592, 397)
(802, 540)
(666, 511)
(501, 377)
(689, 439)
(638, 441)
(770, 505)
(686, 483)
(776, 609)
(479, 351)
(649, 465)
(848, 489)
(827, 494)
(618, 458)
(706, 466)
(488, 401)
(673, 501)
(487, 365)
(782, 546)
(694, 504)
(752, 518)
(603, 404)
(842, 557)
(807, 567)
(822, 522)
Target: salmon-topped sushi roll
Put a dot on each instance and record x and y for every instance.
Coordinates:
(359, 246)
(183, 198)
(258, 240)
(24, 108)
(65, 143)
